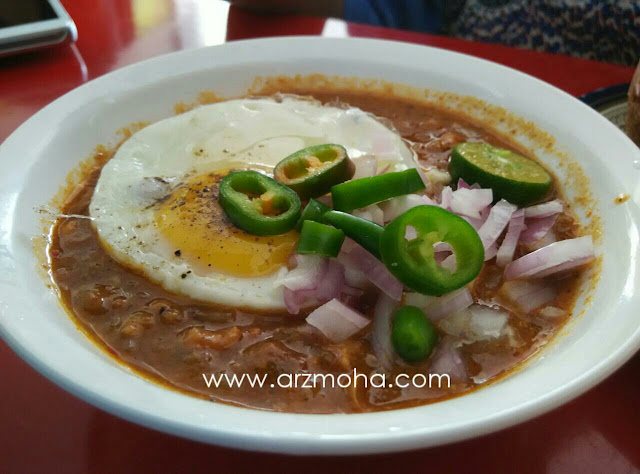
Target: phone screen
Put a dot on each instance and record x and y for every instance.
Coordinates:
(20, 12)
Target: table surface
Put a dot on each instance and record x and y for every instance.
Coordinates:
(44, 429)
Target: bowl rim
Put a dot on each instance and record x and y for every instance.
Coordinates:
(316, 442)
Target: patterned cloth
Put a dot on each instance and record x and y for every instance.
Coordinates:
(605, 30)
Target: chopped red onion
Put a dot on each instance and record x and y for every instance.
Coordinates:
(553, 258)
(371, 213)
(331, 283)
(527, 295)
(491, 252)
(445, 197)
(336, 320)
(401, 204)
(470, 202)
(447, 360)
(315, 280)
(545, 209)
(486, 322)
(508, 246)
(354, 278)
(374, 269)
(462, 184)
(537, 228)
(496, 222)
(366, 166)
(410, 233)
(449, 303)
(449, 263)
(307, 273)
(381, 335)
(423, 176)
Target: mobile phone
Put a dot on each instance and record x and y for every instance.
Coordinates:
(31, 24)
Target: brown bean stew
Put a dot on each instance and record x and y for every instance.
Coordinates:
(174, 340)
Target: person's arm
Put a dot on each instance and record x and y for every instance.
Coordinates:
(323, 8)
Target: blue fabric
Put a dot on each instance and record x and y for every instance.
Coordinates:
(416, 15)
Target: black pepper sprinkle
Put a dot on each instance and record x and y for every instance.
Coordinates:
(177, 253)
(184, 275)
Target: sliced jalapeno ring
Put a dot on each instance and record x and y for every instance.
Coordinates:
(364, 232)
(413, 261)
(362, 192)
(258, 204)
(313, 211)
(320, 239)
(312, 171)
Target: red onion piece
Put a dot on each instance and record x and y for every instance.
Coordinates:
(470, 202)
(315, 280)
(537, 228)
(449, 303)
(332, 282)
(462, 184)
(374, 269)
(486, 322)
(371, 213)
(553, 258)
(527, 295)
(447, 360)
(445, 197)
(381, 336)
(491, 252)
(307, 273)
(366, 166)
(449, 263)
(545, 209)
(336, 320)
(401, 204)
(508, 246)
(423, 176)
(496, 222)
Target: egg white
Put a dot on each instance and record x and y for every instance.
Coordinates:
(249, 132)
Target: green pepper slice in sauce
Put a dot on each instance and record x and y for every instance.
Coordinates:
(413, 261)
(258, 204)
(362, 192)
(312, 171)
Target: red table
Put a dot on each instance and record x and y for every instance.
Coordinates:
(44, 429)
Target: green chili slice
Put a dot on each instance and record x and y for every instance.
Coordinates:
(320, 239)
(412, 334)
(312, 171)
(362, 192)
(313, 211)
(364, 232)
(412, 261)
(258, 204)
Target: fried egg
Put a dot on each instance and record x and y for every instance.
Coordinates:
(155, 205)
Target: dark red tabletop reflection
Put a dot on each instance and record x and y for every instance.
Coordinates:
(44, 429)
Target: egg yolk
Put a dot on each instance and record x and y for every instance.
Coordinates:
(195, 225)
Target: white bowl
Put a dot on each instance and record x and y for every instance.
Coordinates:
(36, 158)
